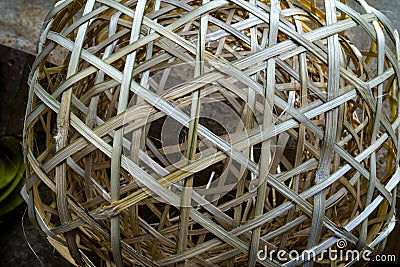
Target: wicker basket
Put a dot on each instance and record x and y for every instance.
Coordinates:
(210, 133)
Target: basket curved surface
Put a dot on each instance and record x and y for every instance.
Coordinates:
(205, 132)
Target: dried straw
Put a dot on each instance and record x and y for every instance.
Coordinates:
(201, 132)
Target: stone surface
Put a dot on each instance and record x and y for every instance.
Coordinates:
(14, 69)
(391, 8)
(20, 22)
(22, 245)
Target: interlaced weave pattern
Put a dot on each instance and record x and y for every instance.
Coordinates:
(206, 132)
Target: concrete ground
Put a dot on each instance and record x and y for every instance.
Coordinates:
(23, 246)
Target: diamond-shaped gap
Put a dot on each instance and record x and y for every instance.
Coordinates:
(154, 143)
(274, 199)
(377, 218)
(168, 13)
(44, 136)
(385, 162)
(168, 74)
(98, 171)
(291, 161)
(101, 34)
(288, 80)
(230, 47)
(343, 198)
(353, 60)
(151, 232)
(287, 230)
(230, 254)
(48, 204)
(94, 245)
(226, 43)
(185, 36)
(298, 178)
(384, 159)
(355, 126)
(52, 74)
(389, 99)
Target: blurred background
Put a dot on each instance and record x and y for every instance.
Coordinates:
(20, 22)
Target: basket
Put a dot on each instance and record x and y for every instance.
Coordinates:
(213, 133)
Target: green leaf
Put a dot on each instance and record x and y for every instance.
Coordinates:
(15, 182)
(13, 200)
(10, 160)
(12, 169)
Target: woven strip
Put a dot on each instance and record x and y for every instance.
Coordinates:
(204, 132)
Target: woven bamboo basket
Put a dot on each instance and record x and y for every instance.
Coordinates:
(208, 133)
